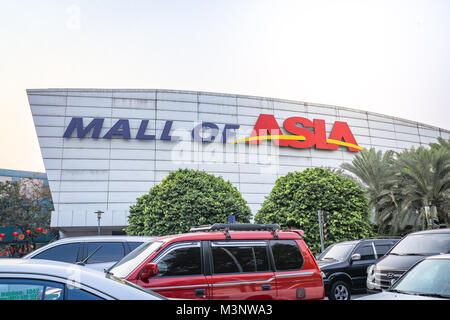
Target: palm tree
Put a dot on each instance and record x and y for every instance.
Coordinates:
(375, 173)
(400, 187)
(442, 144)
(426, 173)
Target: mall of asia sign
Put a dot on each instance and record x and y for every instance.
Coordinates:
(312, 133)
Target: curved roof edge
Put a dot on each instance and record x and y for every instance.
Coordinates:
(305, 103)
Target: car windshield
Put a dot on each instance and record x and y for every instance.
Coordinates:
(423, 244)
(430, 277)
(337, 252)
(131, 261)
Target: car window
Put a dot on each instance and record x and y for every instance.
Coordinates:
(286, 254)
(25, 289)
(132, 260)
(79, 294)
(133, 245)
(239, 258)
(429, 277)
(64, 253)
(337, 251)
(366, 252)
(426, 244)
(382, 249)
(108, 252)
(180, 261)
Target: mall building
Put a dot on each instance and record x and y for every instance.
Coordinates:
(103, 148)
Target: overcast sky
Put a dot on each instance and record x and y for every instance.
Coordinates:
(389, 57)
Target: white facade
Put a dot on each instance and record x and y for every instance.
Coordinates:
(88, 174)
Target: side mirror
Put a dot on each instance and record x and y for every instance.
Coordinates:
(355, 257)
(150, 270)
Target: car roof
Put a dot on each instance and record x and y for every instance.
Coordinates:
(355, 242)
(234, 235)
(88, 239)
(434, 231)
(32, 268)
(103, 238)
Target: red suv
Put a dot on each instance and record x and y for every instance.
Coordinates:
(226, 261)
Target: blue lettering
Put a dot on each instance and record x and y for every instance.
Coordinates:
(141, 132)
(196, 132)
(166, 132)
(77, 124)
(120, 128)
(225, 134)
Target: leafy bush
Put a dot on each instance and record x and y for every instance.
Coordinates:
(296, 198)
(186, 198)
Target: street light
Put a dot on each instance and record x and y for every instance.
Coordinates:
(99, 216)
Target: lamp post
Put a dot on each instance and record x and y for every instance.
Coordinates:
(99, 216)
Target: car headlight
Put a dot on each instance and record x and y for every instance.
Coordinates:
(323, 274)
(371, 270)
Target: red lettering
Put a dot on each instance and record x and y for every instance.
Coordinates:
(290, 125)
(321, 136)
(267, 123)
(340, 132)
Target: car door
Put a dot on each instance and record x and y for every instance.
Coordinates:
(180, 272)
(358, 268)
(294, 278)
(240, 270)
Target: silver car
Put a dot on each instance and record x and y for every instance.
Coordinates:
(24, 279)
(96, 252)
(428, 279)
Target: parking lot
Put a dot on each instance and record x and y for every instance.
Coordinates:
(229, 262)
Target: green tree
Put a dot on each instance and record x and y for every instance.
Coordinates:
(183, 199)
(375, 172)
(426, 176)
(441, 144)
(400, 185)
(25, 205)
(296, 198)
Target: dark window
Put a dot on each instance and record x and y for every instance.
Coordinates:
(25, 289)
(134, 245)
(366, 252)
(64, 253)
(108, 252)
(287, 255)
(238, 259)
(180, 262)
(382, 249)
(78, 294)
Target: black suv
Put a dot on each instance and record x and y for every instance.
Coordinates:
(344, 265)
(413, 248)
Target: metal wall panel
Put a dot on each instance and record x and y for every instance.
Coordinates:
(86, 175)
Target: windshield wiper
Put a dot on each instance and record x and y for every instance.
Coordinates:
(433, 295)
(420, 294)
(398, 291)
(82, 263)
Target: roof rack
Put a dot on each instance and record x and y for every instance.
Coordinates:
(237, 227)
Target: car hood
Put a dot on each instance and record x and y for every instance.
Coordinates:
(327, 264)
(386, 295)
(400, 263)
